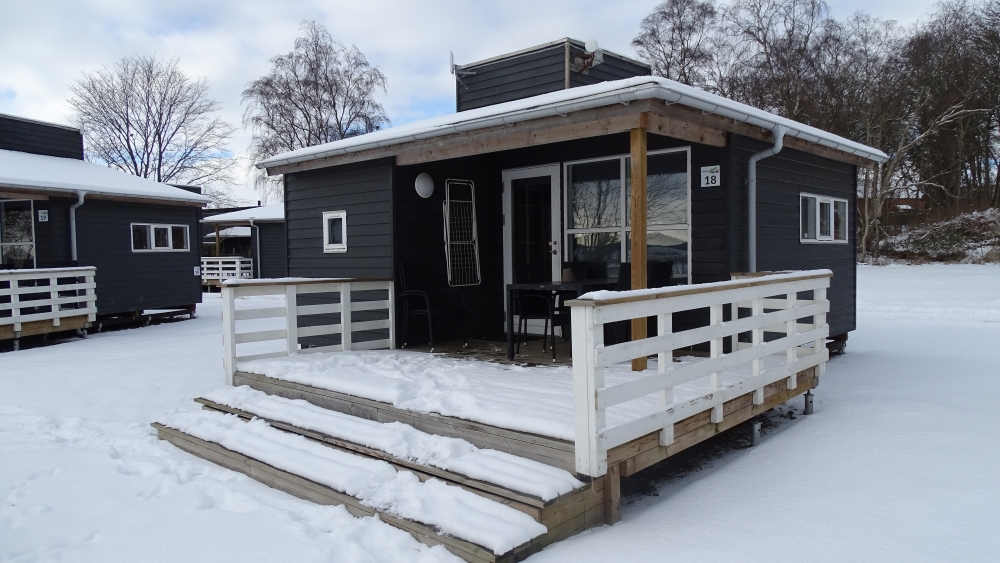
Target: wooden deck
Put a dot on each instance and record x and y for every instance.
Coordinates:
(623, 461)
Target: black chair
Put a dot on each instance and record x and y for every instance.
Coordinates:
(534, 305)
(658, 274)
(416, 292)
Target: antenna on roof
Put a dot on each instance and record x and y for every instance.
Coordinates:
(456, 72)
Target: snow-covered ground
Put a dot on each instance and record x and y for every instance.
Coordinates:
(901, 461)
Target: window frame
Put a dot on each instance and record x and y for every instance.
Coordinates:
(34, 241)
(624, 228)
(151, 237)
(832, 201)
(335, 248)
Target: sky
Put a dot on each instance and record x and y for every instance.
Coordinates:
(47, 44)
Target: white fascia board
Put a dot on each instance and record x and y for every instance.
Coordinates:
(567, 101)
(264, 214)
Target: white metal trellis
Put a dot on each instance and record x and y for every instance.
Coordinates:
(461, 241)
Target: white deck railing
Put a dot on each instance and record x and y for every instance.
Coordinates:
(771, 304)
(226, 268)
(46, 294)
(326, 298)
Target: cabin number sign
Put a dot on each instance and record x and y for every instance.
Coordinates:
(710, 176)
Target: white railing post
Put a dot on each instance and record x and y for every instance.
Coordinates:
(757, 340)
(15, 309)
(229, 332)
(791, 328)
(664, 359)
(819, 346)
(715, 349)
(345, 316)
(591, 459)
(291, 320)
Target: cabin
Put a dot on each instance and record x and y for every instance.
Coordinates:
(246, 243)
(725, 234)
(82, 243)
(545, 171)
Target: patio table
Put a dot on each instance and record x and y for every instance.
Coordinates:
(577, 288)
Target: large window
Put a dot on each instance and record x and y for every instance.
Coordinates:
(17, 235)
(822, 219)
(334, 231)
(147, 237)
(598, 207)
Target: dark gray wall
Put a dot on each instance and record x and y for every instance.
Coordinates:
(780, 180)
(530, 74)
(273, 259)
(126, 281)
(40, 138)
(364, 190)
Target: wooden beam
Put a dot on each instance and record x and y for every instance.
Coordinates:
(613, 495)
(216, 240)
(718, 123)
(637, 213)
(588, 123)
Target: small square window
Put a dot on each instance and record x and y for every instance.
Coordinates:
(840, 220)
(822, 219)
(808, 213)
(140, 237)
(335, 231)
(178, 237)
(161, 238)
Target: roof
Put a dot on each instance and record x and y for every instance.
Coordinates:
(231, 232)
(65, 176)
(264, 214)
(48, 123)
(570, 100)
(544, 46)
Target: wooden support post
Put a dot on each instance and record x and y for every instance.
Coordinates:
(291, 320)
(216, 240)
(613, 495)
(345, 316)
(638, 222)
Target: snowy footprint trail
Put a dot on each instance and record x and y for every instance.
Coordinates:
(407, 443)
(376, 483)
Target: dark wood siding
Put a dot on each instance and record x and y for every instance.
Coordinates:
(273, 259)
(538, 72)
(364, 190)
(518, 77)
(134, 281)
(52, 249)
(780, 180)
(613, 68)
(40, 138)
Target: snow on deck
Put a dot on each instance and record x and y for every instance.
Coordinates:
(405, 442)
(536, 399)
(375, 482)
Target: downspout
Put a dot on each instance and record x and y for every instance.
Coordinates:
(779, 136)
(72, 224)
(256, 258)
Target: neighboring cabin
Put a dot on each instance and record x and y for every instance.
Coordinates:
(256, 234)
(140, 235)
(550, 163)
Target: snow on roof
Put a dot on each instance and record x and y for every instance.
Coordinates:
(570, 100)
(231, 232)
(274, 212)
(68, 175)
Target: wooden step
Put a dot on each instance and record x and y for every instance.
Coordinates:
(564, 516)
(548, 450)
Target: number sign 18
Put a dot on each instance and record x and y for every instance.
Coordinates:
(710, 176)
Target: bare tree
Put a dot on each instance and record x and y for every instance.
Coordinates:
(146, 117)
(320, 92)
(675, 39)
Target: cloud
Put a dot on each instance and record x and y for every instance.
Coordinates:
(45, 45)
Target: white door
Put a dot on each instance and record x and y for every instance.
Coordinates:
(532, 226)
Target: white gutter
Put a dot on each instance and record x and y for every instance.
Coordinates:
(647, 89)
(72, 224)
(779, 136)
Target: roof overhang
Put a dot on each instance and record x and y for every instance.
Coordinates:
(663, 106)
(40, 192)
